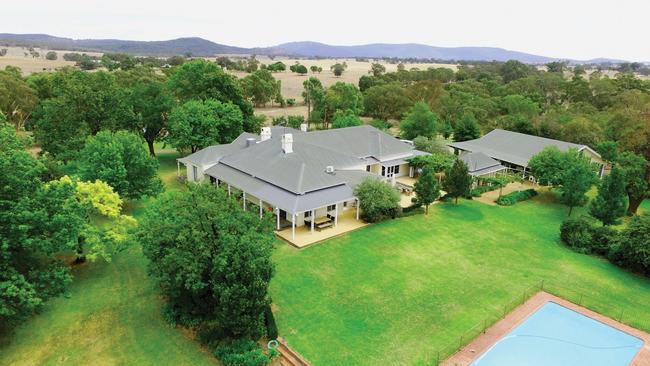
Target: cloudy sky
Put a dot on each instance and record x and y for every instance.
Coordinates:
(575, 29)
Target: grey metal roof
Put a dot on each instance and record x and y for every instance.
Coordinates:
(513, 147)
(211, 155)
(477, 161)
(301, 171)
(360, 141)
(298, 181)
(285, 200)
(353, 177)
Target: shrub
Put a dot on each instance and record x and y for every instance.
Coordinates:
(603, 238)
(271, 327)
(577, 233)
(241, 352)
(291, 101)
(632, 249)
(379, 124)
(378, 200)
(478, 191)
(514, 197)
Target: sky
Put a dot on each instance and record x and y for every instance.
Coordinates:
(575, 29)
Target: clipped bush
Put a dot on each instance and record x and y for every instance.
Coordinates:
(291, 101)
(577, 233)
(603, 238)
(632, 248)
(241, 352)
(514, 197)
(478, 191)
(269, 321)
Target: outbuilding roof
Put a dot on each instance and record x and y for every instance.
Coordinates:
(514, 147)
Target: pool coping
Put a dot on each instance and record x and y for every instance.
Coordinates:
(469, 353)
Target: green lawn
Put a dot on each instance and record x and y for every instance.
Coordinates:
(396, 292)
(391, 293)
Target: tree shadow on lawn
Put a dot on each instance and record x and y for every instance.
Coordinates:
(465, 210)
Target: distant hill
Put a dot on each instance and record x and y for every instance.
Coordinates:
(194, 45)
(407, 50)
(202, 47)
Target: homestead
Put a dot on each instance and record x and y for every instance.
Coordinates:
(306, 179)
(513, 150)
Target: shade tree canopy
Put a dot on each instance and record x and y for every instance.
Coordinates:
(419, 121)
(199, 124)
(457, 182)
(212, 260)
(121, 160)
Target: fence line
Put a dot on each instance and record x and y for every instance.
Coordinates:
(580, 298)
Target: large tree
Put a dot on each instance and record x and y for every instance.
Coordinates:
(634, 169)
(547, 166)
(340, 97)
(577, 177)
(121, 160)
(212, 259)
(427, 189)
(314, 96)
(17, 98)
(39, 221)
(84, 103)
(386, 101)
(457, 181)
(260, 87)
(344, 119)
(152, 103)
(204, 80)
(420, 121)
(609, 204)
(467, 128)
(199, 124)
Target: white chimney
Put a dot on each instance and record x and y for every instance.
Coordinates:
(287, 143)
(265, 134)
(303, 127)
(329, 169)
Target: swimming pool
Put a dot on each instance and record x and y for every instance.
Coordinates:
(558, 336)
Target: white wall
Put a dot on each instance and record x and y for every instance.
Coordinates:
(200, 175)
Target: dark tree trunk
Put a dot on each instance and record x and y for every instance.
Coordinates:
(633, 205)
(151, 149)
(570, 210)
(456, 200)
(81, 258)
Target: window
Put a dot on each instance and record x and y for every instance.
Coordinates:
(396, 169)
(213, 180)
(331, 207)
(367, 168)
(383, 171)
(307, 214)
(195, 173)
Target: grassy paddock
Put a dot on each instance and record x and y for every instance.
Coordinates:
(397, 292)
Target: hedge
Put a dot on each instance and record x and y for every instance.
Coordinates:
(271, 327)
(514, 197)
(241, 352)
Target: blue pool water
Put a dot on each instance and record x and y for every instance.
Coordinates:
(558, 336)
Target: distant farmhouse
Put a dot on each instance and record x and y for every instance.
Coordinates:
(304, 178)
(501, 150)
